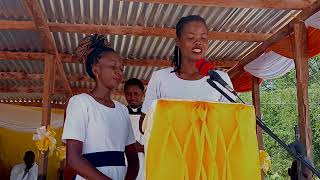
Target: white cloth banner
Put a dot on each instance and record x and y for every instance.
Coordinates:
(314, 20)
(270, 66)
(27, 119)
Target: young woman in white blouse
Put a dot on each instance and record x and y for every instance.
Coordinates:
(97, 129)
(183, 80)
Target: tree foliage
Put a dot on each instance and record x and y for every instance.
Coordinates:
(279, 112)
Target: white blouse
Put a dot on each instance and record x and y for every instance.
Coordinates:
(100, 128)
(164, 84)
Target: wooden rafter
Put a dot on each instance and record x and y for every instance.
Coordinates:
(17, 25)
(20, 76)
(274, 4)
(35, 76)
(42, 27)
(23, 89)
(282, 33)
(33, 89)
(130, 30)
(152, 31)
(6, 55)
(306, 13)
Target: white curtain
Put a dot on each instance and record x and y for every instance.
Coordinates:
(314, 20)
(270, 66)
(27, 119)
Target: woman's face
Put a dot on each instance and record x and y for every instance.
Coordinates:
(193, 41)
(109, 70)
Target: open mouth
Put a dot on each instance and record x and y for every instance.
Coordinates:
(197, 50)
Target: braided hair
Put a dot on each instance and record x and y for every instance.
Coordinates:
(176, 62)
(90, 49)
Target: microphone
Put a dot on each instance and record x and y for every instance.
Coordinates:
(204, 67)
(216, 77)
(207, 69)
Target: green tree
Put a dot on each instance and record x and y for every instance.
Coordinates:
(279, 112)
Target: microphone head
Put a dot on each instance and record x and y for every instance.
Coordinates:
(214, 75)
(204, 66)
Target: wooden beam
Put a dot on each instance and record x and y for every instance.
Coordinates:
(42, 27)
(6, 55)
(9, 55)
(152, 31)
(35, 76)
(130, 30)
(274, 4)
(279, 35)
(48, 87)
(23, 89)
(302, 75)
(306, 13)
(37, 89)
(257, 106)
(17, 25)
(20, 76)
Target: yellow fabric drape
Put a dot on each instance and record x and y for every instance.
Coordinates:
(201, 140)
(14, 144)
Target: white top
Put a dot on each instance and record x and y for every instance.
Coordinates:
(17, 172)
(135, 126)
(100, 128)
(164, 84)
(139, 137)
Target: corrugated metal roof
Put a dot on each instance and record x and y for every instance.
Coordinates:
(142, 14)
(150, 47)
(127, 13)
(115, 12)
(15, 83)
(18, 40)
(20, 96)
(13, 10)
(162, 15)
(30, 67)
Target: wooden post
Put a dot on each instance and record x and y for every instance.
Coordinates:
(257, 106)
(48, 83)
(302, 75)
(63, 162)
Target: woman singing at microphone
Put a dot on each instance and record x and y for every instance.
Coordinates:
(183, 80)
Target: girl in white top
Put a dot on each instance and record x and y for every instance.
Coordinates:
(97, 129)
(183, 80)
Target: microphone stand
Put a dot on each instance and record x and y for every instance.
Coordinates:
(269, 132)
